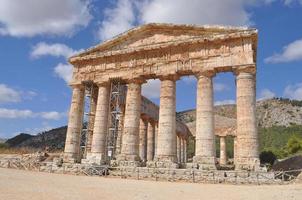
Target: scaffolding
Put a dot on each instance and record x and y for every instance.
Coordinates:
(87, 128)
(117, 98)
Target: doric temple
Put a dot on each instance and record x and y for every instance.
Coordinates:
(131, 130)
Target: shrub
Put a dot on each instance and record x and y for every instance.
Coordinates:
(267, 157)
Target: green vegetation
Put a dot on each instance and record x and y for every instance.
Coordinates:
(281, 141)
(275, 142)
(290, 101)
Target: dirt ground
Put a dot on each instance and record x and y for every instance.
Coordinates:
(17, 184)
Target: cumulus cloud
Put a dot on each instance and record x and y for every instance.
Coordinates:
(64, 71)
(293, 91)
(8, 95)
(151, 89)
(57, 50)
(291, 52)
(35, 17)
(117, 19)
(224, 102)
(125, 14)
(266, 94)
(25, 114)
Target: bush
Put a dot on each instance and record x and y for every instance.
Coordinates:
(294, 144)
(267, 157)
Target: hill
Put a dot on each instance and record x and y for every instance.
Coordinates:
(278, 120)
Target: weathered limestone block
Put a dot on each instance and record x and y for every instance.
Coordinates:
(247, 153)
(72, 144)
(98, 148)
(178, 149)
(205, 139)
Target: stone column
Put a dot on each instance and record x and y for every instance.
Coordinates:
(100, 130)
(223, 156)
(166, 147)
(120, 133)
(182, 149)
(205, 154)
(93, 103)
(75, 122)
(247, 157)
(150, 140)
(155, 138)
(235, 150)
(178, 149)
(130, 140)
(143, 127)
(185, 150)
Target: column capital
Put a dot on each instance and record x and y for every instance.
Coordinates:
(172, 77)
(207, 73)
(103, 83)
(249, 69)
(77, 85)
(136, 80)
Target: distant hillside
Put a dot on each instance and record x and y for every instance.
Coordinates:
(273, 112)
(15, 141)
(277, 118)
(2, 140)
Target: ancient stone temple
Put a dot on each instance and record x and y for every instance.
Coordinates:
(148, 133)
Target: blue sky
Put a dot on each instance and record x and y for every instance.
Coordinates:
(37, 37)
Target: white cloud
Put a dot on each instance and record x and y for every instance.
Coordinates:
(151, 89)
(128, 13)
(289, 2)
(35, 17)
(117, 19)
(224, 102)
(8, 95)
(64, 71)
(293, 91)
(25, 114)
(266, 94)
(291, 52)
(57, 50)
(53, 115)
(14, 113)
(219, 87)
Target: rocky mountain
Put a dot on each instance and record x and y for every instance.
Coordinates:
(273, 112)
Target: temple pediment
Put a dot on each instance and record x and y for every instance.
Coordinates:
(154, 35)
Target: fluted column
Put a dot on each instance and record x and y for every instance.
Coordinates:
(130, 139)
(100, 130)
(155, 139)
(75, 122)
(178, 149)
(205, 155)
(143, 128)
(92, 111)
(223, 155)
(120, 133)
(235, 150)
(150, 140)
(185, 150)
(182, 150)
(166, 147)
(247, 137)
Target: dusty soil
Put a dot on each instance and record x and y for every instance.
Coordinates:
(17, 184)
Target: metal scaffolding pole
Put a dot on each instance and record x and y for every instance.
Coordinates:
(117, 96)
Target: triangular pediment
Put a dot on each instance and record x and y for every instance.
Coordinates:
(155, 34)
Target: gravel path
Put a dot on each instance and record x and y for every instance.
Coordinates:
(17, 184)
